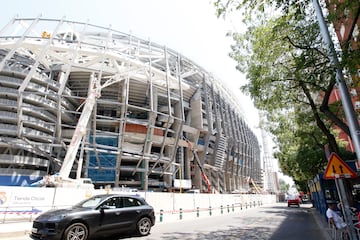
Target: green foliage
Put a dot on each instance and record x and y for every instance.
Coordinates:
(289, 75)
(283, 186)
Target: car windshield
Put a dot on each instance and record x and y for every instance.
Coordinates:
(293, 197)
(91, 202)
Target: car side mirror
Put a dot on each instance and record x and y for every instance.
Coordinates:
(103, 207)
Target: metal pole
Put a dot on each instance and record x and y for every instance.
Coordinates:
(345, 207)
(348, 109)
(344, 93)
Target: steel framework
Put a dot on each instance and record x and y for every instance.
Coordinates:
(155, 110)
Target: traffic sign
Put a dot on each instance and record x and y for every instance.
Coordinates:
(337, 168)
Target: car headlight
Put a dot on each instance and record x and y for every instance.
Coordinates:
(56, 218)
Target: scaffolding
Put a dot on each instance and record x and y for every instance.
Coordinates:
(153, 101)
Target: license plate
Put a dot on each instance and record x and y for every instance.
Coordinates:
(34, 230)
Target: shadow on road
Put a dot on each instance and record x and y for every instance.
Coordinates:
(295, 224)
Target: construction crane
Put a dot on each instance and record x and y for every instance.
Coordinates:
(257, 188)
(203, 174)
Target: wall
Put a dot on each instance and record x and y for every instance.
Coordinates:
(25, 203)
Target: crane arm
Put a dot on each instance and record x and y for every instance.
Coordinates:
(80, 130)
(203, 174)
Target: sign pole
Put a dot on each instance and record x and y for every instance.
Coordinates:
(337, 169)
(345, 207)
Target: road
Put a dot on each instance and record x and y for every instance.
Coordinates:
(277, 222)
(274, 223)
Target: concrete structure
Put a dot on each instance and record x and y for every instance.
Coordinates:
(271, 180)
(155, 112)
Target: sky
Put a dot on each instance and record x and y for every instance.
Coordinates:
(189, 27)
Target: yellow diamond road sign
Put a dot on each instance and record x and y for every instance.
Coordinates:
(337, 168)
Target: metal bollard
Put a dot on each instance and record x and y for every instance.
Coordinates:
(233, 207)
(180, 213)
(210, 211)
(161, 215)
(228, 208)
(240, 206)
(197, 212)
(221, 208)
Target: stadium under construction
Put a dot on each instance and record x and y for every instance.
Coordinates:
(86, 101)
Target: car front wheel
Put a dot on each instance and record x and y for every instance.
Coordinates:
(143, 226)
(76, 231)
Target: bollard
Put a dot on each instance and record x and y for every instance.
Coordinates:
(246, 205)
(180, 213)
(210, 210)
(197, 212)
(228, 208)
(254, 204)
(240, 206)
(161, 215)
(221, 208)
(233, 207)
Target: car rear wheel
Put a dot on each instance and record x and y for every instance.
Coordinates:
(143, 226)
(76, 231)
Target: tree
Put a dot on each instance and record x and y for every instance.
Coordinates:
(283, 186)
(290, 78)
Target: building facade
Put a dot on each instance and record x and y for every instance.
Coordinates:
(345, 18)
(118, 109)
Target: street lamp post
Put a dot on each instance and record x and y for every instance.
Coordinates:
(348, 109)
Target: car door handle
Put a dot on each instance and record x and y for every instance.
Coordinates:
(117, 213)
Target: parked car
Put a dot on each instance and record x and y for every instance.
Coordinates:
(98, 216)
(305, 198)
(293, 200)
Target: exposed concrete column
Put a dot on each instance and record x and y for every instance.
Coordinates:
(150, 133)
(123, 109)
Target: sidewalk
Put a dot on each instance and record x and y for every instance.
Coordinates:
(321, 222)
(13, 229)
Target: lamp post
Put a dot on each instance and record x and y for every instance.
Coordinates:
(348, 109)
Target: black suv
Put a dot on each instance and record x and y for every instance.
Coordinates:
(101, 215)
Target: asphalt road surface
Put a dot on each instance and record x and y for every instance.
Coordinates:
(276, 222)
